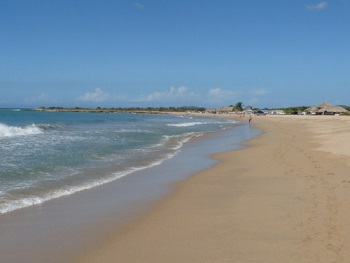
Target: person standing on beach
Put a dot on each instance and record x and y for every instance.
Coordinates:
(250, 118)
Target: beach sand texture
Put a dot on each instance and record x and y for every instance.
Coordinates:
(284, 198)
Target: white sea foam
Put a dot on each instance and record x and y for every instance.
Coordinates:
(185, 124)
(99, 145)
(188, 124)
(12, 205)
(133, 131)
(181, 139)
(11, 131)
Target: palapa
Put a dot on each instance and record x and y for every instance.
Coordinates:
(326, 108)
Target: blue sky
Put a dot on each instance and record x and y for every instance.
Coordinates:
(121, 53)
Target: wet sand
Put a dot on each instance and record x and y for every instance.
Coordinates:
(63, 229)
(284, 198)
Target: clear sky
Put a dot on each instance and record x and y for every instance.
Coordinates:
(210, 53)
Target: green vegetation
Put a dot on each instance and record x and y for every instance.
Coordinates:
(239, 106)
(294, 110)
(346, 107)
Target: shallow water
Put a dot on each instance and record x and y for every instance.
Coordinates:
(60, 229)
(47, 155)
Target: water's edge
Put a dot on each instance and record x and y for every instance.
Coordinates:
(72, 224)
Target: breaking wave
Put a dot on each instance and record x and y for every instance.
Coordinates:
(11, 131)
(186, 124)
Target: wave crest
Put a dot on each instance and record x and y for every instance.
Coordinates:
(186, 124)
(11, 131)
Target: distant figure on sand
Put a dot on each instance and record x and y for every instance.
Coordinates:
(250, 118)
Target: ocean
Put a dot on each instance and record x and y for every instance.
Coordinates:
(48, 155)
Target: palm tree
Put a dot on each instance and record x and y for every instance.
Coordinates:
(239, 106)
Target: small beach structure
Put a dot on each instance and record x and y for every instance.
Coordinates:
(261, 112)
(211, 110)
(226, 109)
(248, 111)
(277, 112)
(325, 108)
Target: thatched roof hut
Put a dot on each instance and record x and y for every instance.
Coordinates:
(326, 108)
(226, 109)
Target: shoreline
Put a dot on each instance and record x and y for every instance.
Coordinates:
(281, 199)
(62, 229)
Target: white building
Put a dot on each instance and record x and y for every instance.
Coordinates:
(277, 112)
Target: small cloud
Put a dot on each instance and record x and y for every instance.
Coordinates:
(256, 95)
(98, 96)
(219, 93)
(139, 5)
(259, 92)
(172, 93)
(318, 7)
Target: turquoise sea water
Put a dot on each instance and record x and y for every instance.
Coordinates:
(47, 155)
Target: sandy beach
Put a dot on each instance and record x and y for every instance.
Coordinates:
(283, 198)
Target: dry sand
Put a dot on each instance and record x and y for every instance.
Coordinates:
(284, 198)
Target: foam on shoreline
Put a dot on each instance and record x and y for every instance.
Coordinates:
(74, 223)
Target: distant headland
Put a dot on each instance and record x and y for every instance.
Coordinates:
(155, 110)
